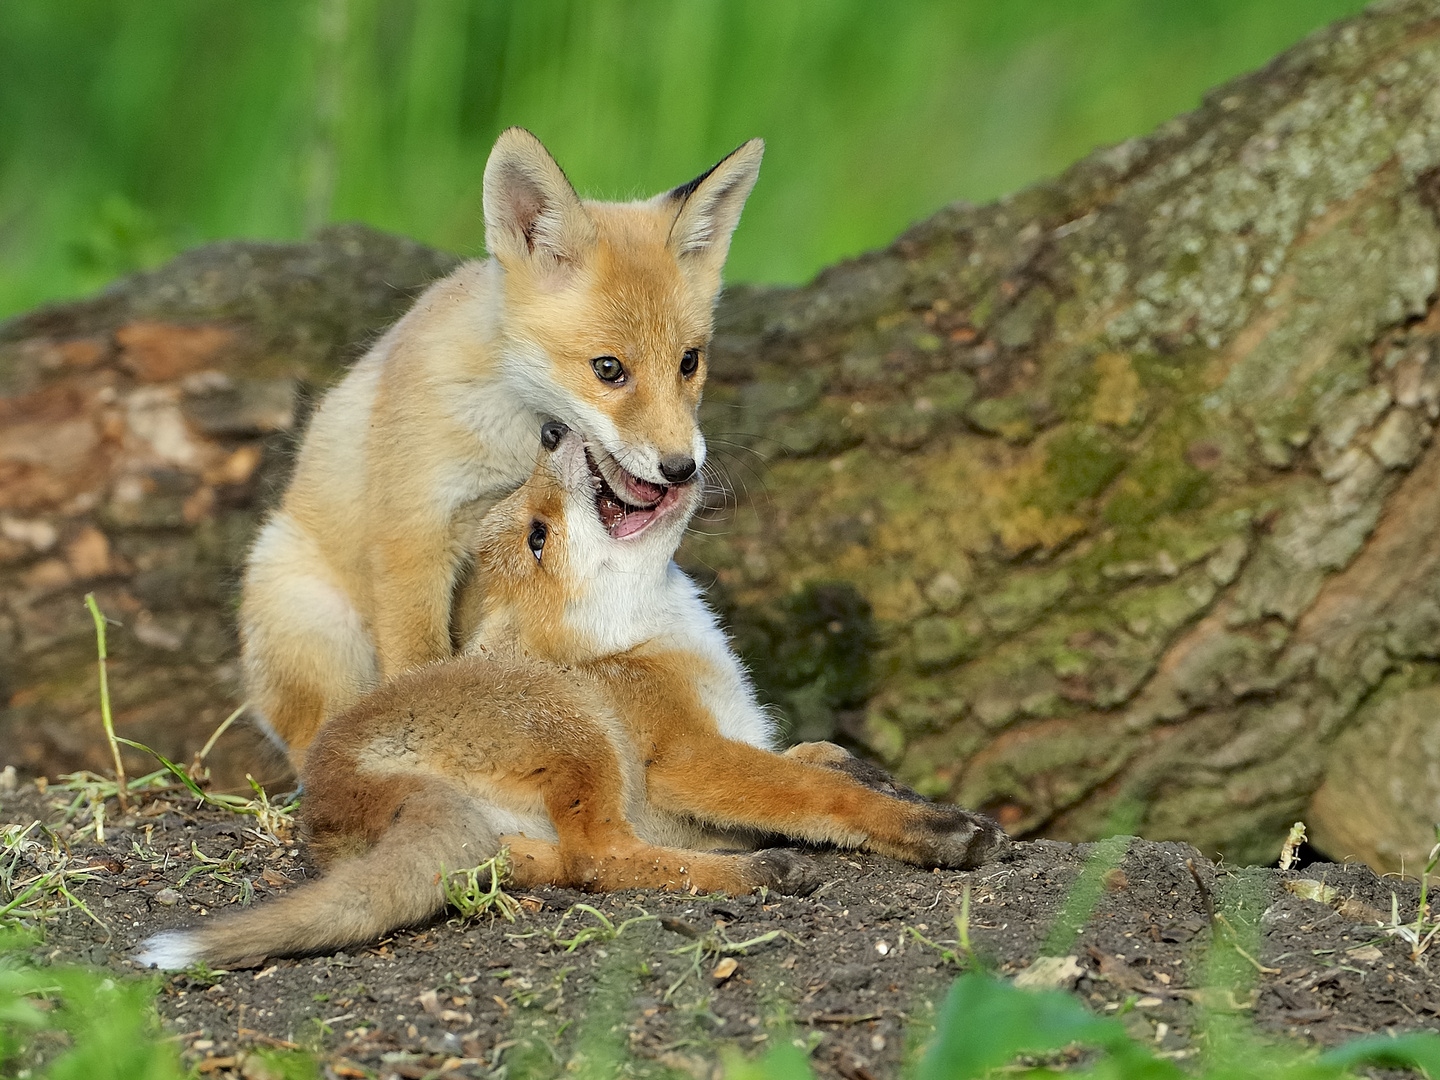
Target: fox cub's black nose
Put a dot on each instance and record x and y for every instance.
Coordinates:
(551, 432)
(677, 469)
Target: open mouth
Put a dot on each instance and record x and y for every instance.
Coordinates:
(638, 503)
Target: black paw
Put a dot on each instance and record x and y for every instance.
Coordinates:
(959, 839)
(785, 871)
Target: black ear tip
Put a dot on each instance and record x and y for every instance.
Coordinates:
(551, 432)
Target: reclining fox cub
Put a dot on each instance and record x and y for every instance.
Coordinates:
(602, 729)
(595, 314)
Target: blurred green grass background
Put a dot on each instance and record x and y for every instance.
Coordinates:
(130, 129)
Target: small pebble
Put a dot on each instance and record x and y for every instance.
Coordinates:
(169, 897)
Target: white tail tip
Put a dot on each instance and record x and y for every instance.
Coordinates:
(173, 950)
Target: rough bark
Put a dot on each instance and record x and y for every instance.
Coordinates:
(1112, 504)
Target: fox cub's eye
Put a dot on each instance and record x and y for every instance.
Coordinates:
(689, 362)
(608, 369)
(538, 532)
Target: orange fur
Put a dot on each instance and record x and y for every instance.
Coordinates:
(352, 579)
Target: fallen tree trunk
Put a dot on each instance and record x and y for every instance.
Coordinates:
(1110, 505)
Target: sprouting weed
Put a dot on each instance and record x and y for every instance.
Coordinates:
(35, 877)
(220, 869)
(606, 929)
(273, 822)
(958, 952)
(471, 899)
(712, 946)
(1421, 933)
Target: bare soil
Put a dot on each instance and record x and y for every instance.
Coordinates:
(848, 974)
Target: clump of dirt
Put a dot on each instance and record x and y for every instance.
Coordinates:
(854, 972)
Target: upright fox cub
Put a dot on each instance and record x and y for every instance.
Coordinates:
(603, 729)
(594, 314)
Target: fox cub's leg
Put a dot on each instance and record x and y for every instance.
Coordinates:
(539, 862)
(305, 651)
(837, 757)
(599, 851)
(415, 572)
(732, 783)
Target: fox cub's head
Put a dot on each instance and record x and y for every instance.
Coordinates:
(607, 308)
(556, 581)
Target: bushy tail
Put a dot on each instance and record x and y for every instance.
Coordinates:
(396, 883)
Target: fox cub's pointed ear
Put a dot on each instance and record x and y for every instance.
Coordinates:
(708, 208)
(533, 218)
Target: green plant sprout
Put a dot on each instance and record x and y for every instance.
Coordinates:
(219, 869)
(272, 820)
(1420, 935)
(26, 897)
(963, 955)
(121, 788)
(606, 930)
(471, 899)
(712, 946)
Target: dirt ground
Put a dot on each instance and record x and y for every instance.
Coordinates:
(854, 972)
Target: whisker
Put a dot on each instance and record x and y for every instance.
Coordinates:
(756, 472)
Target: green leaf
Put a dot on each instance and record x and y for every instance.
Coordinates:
(1416, 1050)
(785, 1062)
(986, 1023)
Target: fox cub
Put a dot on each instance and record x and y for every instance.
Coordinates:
(602, 729)
(594, 314)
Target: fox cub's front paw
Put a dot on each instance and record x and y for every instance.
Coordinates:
(938, 835)
(957, 839)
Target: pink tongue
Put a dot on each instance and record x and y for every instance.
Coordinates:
(642, 490)
(632, 522)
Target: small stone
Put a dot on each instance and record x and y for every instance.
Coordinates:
(1149, 1002)
(1366, 954)
(725, 968)
(1050, 973)
(169, 897)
